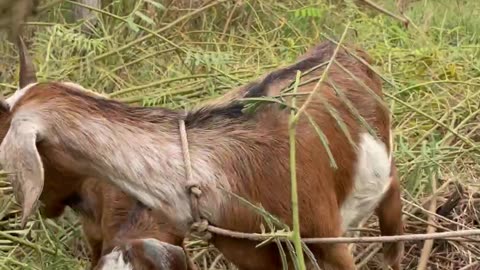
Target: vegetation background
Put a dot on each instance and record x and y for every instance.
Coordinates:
(157, 53)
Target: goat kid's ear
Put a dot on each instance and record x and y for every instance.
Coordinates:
(21, 161)
(4, 107)
(163, 255)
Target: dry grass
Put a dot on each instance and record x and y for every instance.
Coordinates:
(183, 56)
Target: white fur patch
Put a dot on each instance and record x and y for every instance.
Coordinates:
(18, 94)
(74, 85)
(81, 88)
(13, 99)
(115, 261)
(371, 181)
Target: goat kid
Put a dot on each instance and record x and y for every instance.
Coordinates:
(120, 235)
(247, 153)
(123, 235)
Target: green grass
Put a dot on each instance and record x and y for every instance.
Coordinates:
(431, 73)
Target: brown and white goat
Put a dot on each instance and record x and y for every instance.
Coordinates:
(247, 153)
(120, 235)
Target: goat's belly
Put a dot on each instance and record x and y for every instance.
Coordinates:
(371, 181)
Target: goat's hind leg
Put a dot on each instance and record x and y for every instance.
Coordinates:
(390, 218)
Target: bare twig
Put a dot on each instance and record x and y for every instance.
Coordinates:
(229, 19)
(380, 9)
(427, 247)
(453, 235)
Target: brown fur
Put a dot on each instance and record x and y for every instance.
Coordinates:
(110, 219)
(246, 153)
(139, 256)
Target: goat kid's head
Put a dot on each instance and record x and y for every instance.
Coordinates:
(144, 254)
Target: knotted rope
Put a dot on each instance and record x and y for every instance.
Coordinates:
(199, 228)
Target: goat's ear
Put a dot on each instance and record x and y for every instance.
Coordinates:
(20, 159)
(163, 255)
(4, 107)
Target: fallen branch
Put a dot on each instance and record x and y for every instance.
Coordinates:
(361, 239)
(386, 12)
(428, 245)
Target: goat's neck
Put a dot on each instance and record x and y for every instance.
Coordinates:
(146, 160)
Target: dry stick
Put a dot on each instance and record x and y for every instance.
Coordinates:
(470, 266)
(437, 215)
(440, 217)
(453, 235)
(368, 257)
(229, 19)
(384, 11)
(215, 262)
(466, 238)
(369, 252)
(427, 246)
(190, 263)
(199, 254)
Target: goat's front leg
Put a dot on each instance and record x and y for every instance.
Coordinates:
(390, 218)
(331, 256)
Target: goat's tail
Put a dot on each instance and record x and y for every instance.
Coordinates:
(390, 217)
